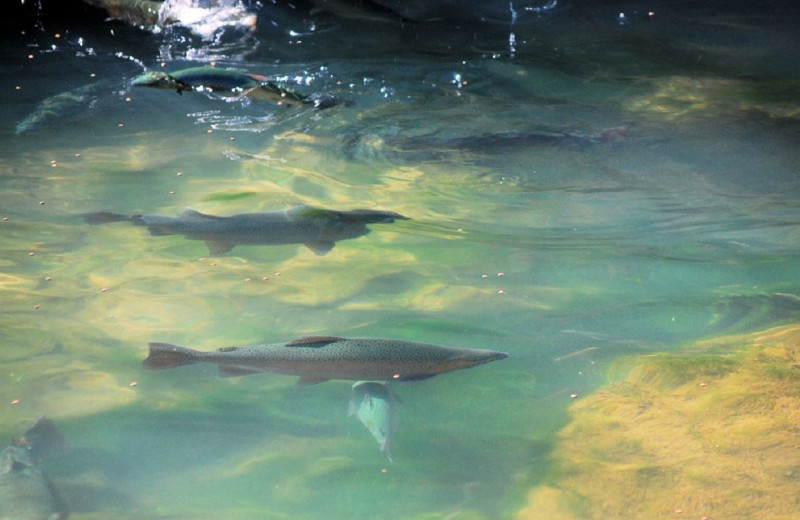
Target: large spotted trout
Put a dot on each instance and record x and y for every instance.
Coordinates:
(316, 359)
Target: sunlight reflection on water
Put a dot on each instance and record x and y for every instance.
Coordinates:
(530, 232)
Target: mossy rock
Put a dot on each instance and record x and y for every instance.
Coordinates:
(710, 432)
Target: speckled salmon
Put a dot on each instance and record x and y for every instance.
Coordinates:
(25, 492)
(316, 359)
(212, 79)
(318, 229)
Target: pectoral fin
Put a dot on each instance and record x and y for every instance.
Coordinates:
(216, 247)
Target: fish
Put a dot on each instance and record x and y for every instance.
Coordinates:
(213, 79)
(318, 229)
(25, 492)
(203, 17)
(373, 146)
(135, 12)
(375, 406)
(321, 358)
(503, 141)
(59, 106)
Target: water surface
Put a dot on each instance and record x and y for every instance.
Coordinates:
(531, 233)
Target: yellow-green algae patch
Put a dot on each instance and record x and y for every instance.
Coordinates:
(677, 97)
(712, 431)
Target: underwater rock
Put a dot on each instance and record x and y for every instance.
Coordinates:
(708, 432)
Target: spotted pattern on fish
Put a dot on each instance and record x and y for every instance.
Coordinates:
(320, 358)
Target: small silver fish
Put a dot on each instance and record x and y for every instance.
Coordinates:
(318, 229)
(316, 359)
(25, 492)
(375, 407)
(215, 79)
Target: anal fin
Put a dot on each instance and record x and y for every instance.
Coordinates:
(234, 371)
(310, 380)
(215, 247)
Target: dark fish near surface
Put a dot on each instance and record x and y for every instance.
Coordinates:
(25, 492)
(433, 147)
(497, 143)
(316, 359)
(318, 229)
(135, 12)
(203, 17)
(231, 81)
(375, 407)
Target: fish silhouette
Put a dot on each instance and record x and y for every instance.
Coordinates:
(318, 229)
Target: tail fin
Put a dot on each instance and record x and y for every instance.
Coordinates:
(164, 355)
(104, 217)
(43, 440)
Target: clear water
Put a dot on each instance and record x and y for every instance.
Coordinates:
(565, 250)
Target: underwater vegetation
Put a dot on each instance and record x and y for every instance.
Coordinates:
(708, 432)
(678, 97)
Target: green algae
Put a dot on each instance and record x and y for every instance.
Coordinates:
(678, 97)
(708, 432)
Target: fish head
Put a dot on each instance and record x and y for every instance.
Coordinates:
(157, 79)
(15, 459)
(468, 359)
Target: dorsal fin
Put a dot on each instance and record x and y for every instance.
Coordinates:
(227, 349)
(301, 210)
(314, 341)
(190, 213)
